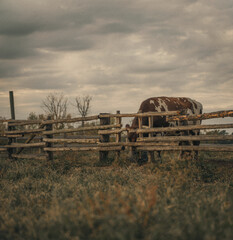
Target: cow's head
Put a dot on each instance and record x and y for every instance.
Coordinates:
(132, 136)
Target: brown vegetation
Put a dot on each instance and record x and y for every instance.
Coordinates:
(75, 197)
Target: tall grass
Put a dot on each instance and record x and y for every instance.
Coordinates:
(73, 198)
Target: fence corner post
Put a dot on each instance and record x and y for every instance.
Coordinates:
(103, 155)
(49, 127)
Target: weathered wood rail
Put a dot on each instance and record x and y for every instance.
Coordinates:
(110, 135)
(204, 116)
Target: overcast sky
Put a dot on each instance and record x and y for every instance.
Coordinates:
(118, 51)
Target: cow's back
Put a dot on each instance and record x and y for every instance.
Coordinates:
(164, 104)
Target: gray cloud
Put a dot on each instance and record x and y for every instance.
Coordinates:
(115, 27)
(15, 48)
(118, 49)
(9, 69)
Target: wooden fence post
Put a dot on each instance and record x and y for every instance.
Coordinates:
(9, 142)
(103, 155)
(150, 153)
(118, 137)
(12, 104)
(49, 127)
(140, 135)
(140, 126)
(10, 139)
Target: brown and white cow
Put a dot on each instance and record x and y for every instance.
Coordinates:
(163, 104)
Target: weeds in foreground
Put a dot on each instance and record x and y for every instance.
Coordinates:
(74, 198)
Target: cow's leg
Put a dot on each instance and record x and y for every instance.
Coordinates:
(151, 157)
(193, 153)
(139, 157)
(143, 157)
(196, 143)
(133, 155)
(159, 156)
(185, 153)
(185, 143)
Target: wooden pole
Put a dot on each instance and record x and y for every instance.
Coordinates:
(28, 122)
(9, 142)
(140, 135)
(26, 145)
(219, 114)
(150, 153)
(168, 129)
(91, 148)
(83, 129)
(28, 131)
(135, 144)
(146, 114)
(64, 140)
(11, 139)
(182, 128)
(49, 127)
(118, 137)
(140, 126)
(12, 105)
(186, 138)
(103, 155)
(211, 148)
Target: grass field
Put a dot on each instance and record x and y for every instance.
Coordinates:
(75, 197)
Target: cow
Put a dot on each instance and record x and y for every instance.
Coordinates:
(163, 104)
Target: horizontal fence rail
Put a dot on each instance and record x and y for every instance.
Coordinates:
(14, 132)
(53, 140)
(204, 116)
(25, 145)
(91, 148)
(29, 122)
(106, 135)
(215, 148)
(147, 114)
(3, 149)
(81, 129)
(168, 129)
(29, 156)
(183, 128)
(186, 138)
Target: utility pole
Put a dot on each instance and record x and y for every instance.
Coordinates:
(12, 105)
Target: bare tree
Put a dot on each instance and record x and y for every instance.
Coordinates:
(83, 105)
(34, 116)
(56, 104)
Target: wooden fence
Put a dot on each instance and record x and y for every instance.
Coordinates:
(108, 134)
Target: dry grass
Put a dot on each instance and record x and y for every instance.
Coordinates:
(74, 198)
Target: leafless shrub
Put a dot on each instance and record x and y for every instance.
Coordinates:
(56, 104)
(83, 105)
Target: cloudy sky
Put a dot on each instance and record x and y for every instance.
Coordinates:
(118, 51)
